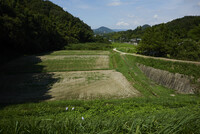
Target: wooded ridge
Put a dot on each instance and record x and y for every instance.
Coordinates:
(34, 26)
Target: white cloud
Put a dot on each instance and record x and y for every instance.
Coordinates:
(198, 4)
(136, 23)
(115, 3)
(130, 16)
(122, 23)
(84, 7)
(155, 16)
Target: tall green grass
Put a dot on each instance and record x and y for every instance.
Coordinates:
(140, 115)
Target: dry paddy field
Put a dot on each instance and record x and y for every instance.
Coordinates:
(63, 75)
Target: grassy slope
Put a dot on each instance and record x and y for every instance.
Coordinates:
(154, 112)
(174, 67)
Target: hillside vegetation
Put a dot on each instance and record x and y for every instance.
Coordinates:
(34, 26)
(176, 39)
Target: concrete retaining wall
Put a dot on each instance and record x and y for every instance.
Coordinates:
(180, 83)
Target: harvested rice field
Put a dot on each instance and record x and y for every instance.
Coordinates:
(63, 75)
(91, 85)
(66, 86)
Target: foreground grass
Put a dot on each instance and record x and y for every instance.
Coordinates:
(139, 115)
(157, 110)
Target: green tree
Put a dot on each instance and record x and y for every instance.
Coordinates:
(195, 33)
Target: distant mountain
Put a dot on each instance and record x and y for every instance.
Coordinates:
(145, 26)
(103, 30)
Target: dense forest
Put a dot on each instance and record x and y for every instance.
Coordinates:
(34, 26)
(178, 39)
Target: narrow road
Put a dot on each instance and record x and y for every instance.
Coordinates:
(166, 59)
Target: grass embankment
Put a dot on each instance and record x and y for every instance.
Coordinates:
(173, 67)
(156, 111)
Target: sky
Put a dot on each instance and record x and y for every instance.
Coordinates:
(128, 14)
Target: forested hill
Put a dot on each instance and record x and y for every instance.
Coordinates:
(186, 23)
(178, 39)
(33, 26)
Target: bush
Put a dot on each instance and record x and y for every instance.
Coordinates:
(188, 50)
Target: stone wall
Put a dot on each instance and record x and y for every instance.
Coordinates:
(179, 82)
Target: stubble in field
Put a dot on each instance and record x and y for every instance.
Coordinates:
(91, 85)
(65, 85)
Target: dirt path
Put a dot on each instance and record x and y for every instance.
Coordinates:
(166, 59)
